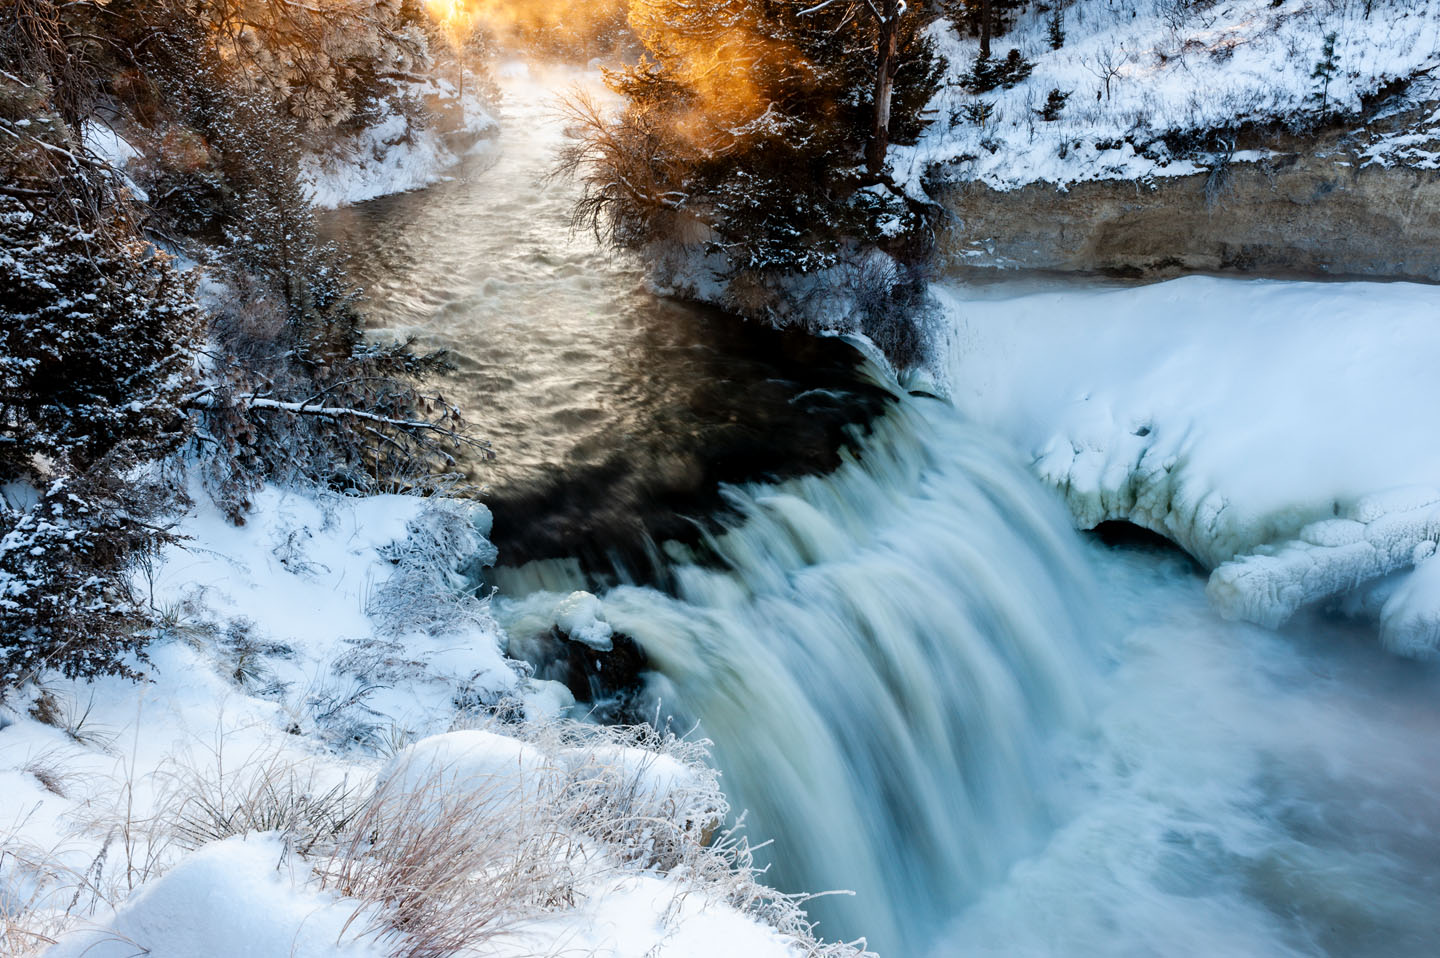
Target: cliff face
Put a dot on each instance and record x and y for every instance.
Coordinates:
(1296, 214)
(1360, 200)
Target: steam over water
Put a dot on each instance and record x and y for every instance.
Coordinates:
(612, 409)
(1006, 738)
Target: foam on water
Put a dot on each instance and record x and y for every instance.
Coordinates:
(1012, 741)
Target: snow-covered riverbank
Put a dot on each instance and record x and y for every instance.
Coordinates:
(1282, 433)
(325, 642)
(396, 154)
(299, 661)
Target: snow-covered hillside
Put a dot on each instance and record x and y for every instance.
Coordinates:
(312, 713)
(394, 154)
(1283, 433)
(1144, 77)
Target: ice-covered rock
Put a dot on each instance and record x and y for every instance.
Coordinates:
(1281, 433)
(581, 617)
(1410, 618)
(1377, 536)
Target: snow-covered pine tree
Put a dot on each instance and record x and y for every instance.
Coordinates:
(750, 122)
(98, 337)
(1324, 72)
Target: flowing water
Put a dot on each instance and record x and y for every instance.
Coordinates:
(611, 408)
(1006, 738)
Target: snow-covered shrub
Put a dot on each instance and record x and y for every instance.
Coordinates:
(507, 836)
(297, 393)
(432, 589)
(325, 63)
(748, 131)
(266, 793)
(98, 337)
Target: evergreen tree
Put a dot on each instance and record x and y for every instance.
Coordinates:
(1324, 72)
(756, 122)
(98, 339)
(1054, 103)
(1055, 27)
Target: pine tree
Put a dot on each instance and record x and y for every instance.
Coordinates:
(98, 339)
(1055, 29)
(1054, 103)
(756, 120)
(1324, 72)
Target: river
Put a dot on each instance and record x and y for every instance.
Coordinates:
(1005, 737)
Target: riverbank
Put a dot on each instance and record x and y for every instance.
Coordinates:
(1278, 432)
(1155, 139)
(299, 658)
(302, 661)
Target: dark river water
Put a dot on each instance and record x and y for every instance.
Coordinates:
(615, 413)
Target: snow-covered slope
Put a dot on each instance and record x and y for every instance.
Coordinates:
(1283, 433)
(1137, 71)
(394, 154)
(198, 811)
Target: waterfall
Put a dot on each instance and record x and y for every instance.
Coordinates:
(881, 655)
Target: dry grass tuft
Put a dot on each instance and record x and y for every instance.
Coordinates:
(440, 870)
(438, 863)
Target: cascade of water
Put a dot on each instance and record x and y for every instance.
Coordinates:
(880, 655)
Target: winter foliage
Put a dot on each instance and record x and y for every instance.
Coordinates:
(751, 131)
(98, 341)
(109, 364)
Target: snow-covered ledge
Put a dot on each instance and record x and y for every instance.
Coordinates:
(394, 155)
(1282, 433)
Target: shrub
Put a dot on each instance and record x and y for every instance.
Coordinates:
(987, 73)
(98, 340)
(1054, 103)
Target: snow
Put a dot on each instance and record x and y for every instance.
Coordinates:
(303, 578)
(1282, 433)
(1415, 145)
(507, 772)
(393, 156)
(238, 898)
(641, 917)
(580, 616)
(1410, 618)
(108, 145)
(115, 151)
(1178, 67)
(283, 656)
(653, 776)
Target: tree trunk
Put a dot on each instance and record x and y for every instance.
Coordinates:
(987, 14)
(886, 47)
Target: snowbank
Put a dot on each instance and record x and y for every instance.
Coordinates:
(302, 593)
(640, 916)
(239, 898)
(394, 154)
(1282, 433)
(504, 771)
(1140, 69)
(190, 814)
